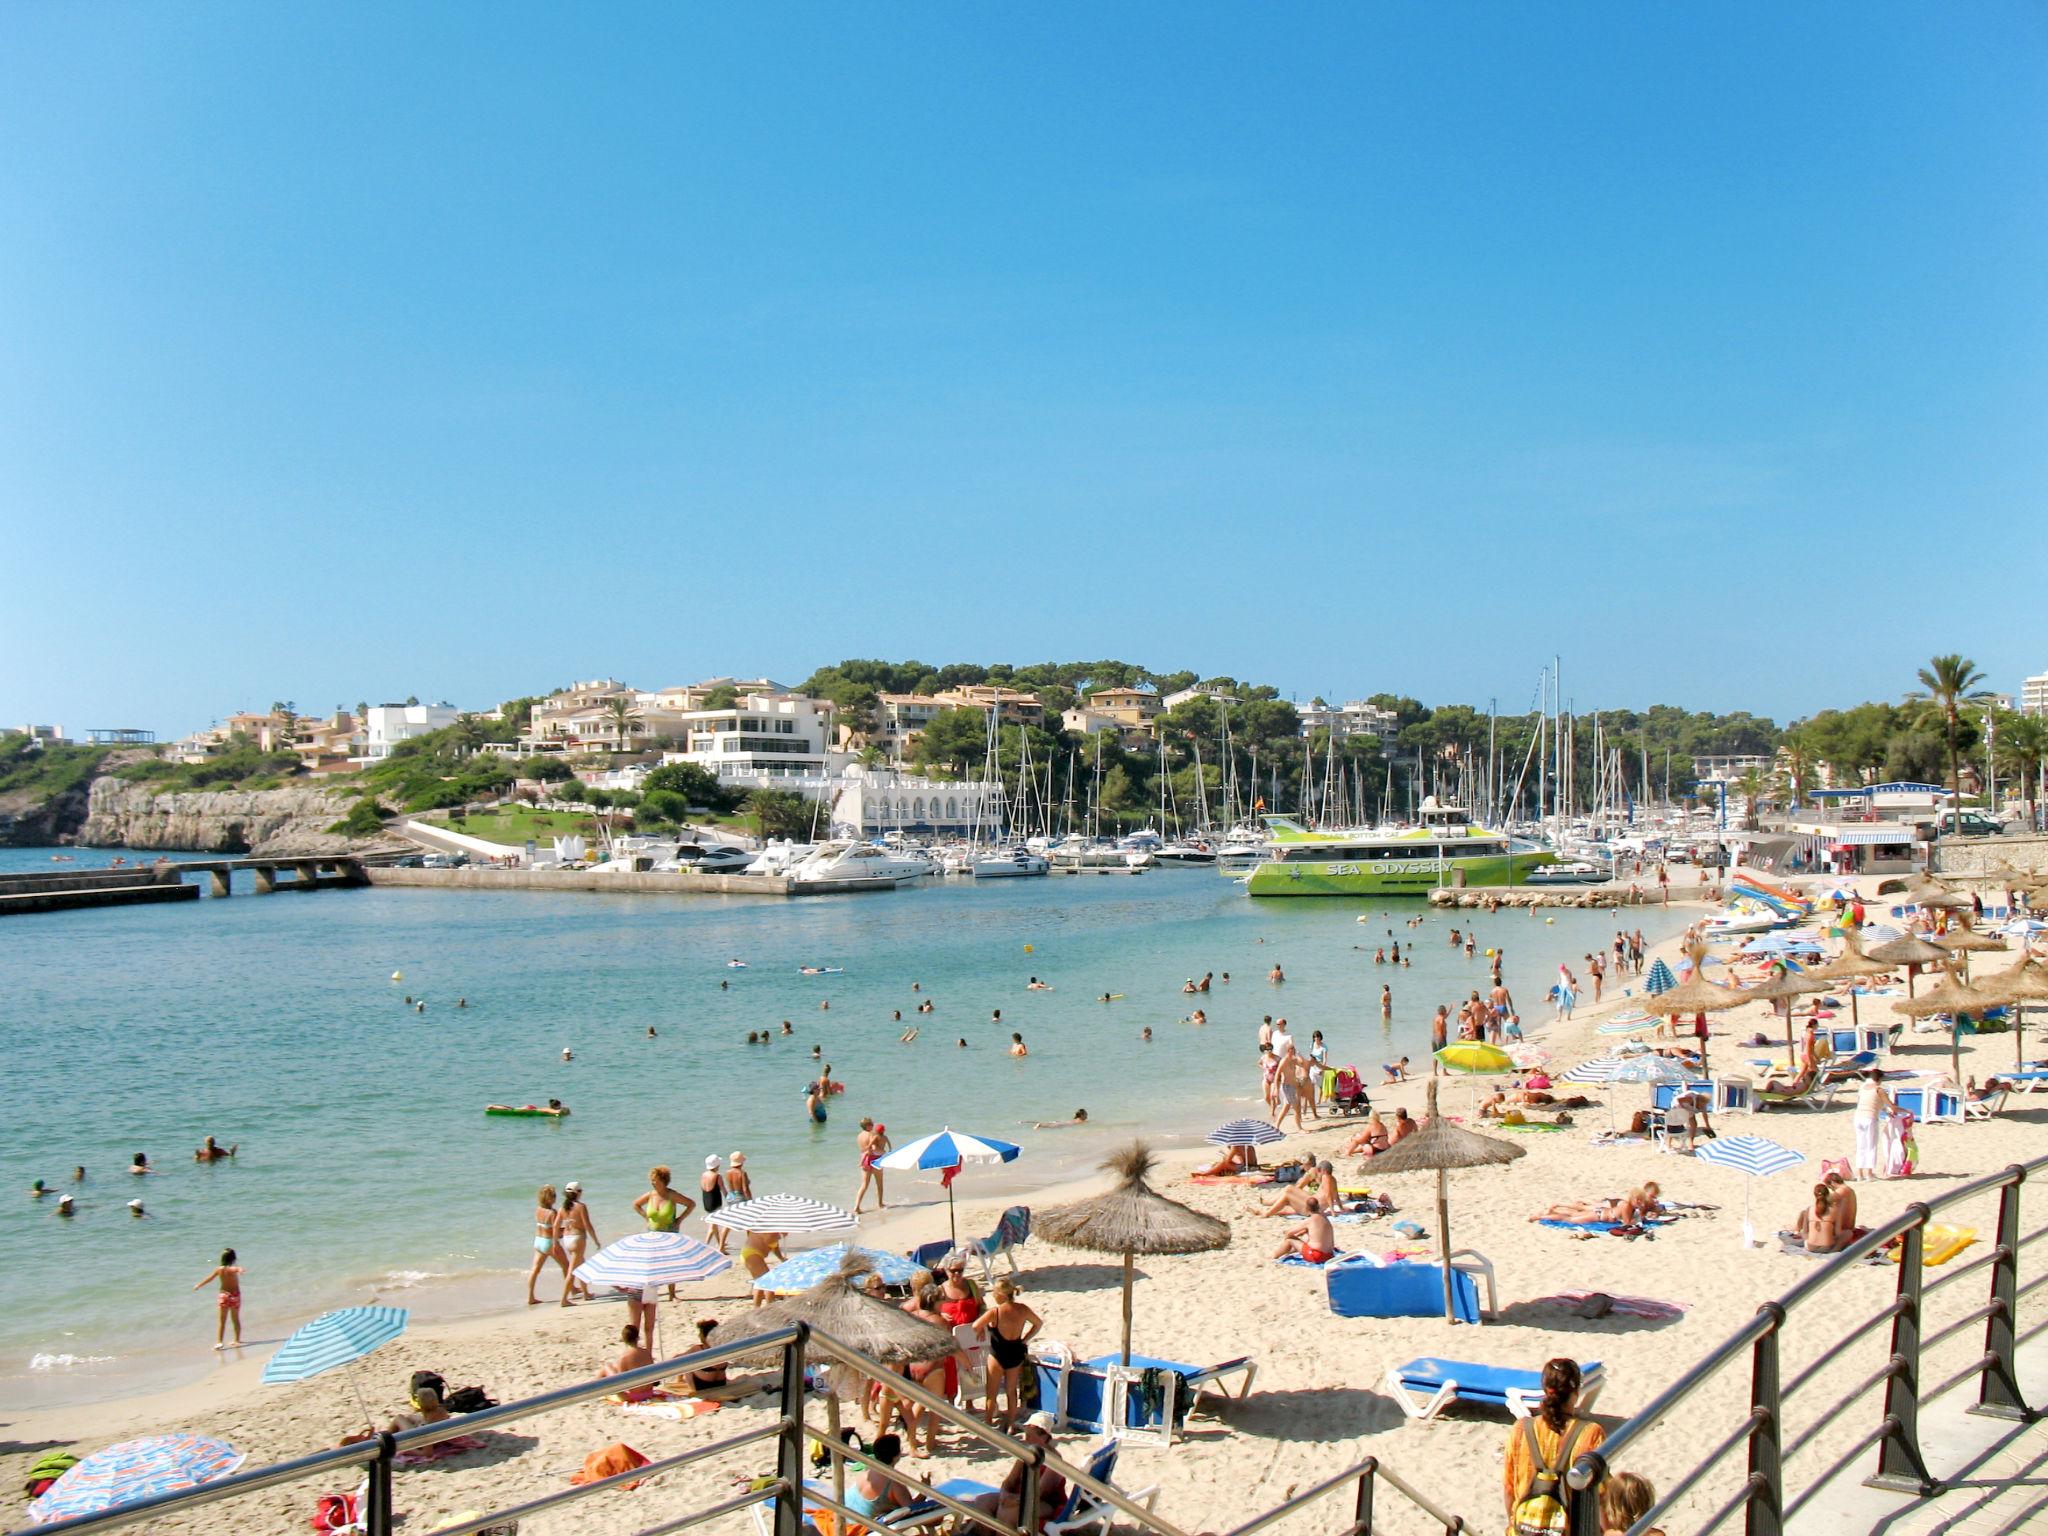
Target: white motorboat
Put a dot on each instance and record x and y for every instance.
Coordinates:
(1189, 850)
(707, 859)
(780, 857)
(1091, 856)
(850, 863)
(1007, 864)
(1567, 872)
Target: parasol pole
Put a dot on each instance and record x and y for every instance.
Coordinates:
(1443, 1239)
(1127, 1307)
(837, 1446)
(952, 1221)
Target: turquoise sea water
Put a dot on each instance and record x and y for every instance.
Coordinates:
(366, 1161)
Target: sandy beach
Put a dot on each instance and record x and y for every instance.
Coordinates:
(1320, 1402)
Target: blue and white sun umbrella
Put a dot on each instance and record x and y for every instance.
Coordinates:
(784, 1214)
(1628, 1024)
(1597, 1069)
(807, 1269)
(334, 1339)
(1245, 1133)
(649, 1259)
(148, 1468)
(1755, 1157)
(1660, 979)
(949, 1150)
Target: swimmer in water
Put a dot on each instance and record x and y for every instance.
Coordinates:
(1018, 1047)
(961, 1042)
(1146, 1036)
(817, 1051)
(1035, 985)
(1080, 1118)
(141, 1164)
(135, 1208)
(211, 1151)
(37, 1190)
(907, 1036)
(66, 1206)
(786, 1029)
(650, 1031)
(567, 1054)
(462, 1002)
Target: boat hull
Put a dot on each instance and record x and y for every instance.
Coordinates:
(1389, 877)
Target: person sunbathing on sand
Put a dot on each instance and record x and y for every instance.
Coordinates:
(1373, 1139)
(1635, 1206)
(1233, 1160)
(1315, 1240)
(1297, 1198)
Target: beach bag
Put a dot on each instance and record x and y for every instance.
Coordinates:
(468, 1400)
(428, 1381)
(337, 1514)
(1540, 1511)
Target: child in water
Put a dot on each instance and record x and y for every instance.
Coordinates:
(229, 1304)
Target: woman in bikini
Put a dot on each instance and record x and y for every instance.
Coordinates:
(872, 1143)
(1007, 1328)
(1635, 1206)
(756, 1248)
(1371, 1140)
(547, 1242)
(577, 1233)
(941, 1376)
(664, 1208)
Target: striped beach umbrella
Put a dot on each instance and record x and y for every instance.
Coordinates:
(1628, 1024)
(1598, 1069)
(1755, 1157)
(783, 1213)
(334, 1339)
(1244, 1133)
(147, 1468)
(807, 1269)
(948, 1150)
(647, 1259)
(1659, 979)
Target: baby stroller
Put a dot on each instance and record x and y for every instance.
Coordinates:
(1347, 1092)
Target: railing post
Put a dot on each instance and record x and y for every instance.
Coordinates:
(377, 1510)
(1765, 1515)
(1027, 1493)
(1900, 1467)
(789, 1452)
(1361, 1509)
(1583, 1504)
(1998, 1389)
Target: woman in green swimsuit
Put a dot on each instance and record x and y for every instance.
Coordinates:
(664, 1207)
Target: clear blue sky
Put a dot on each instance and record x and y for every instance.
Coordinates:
(364, 350)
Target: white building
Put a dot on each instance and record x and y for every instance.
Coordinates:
(761, 740)
(386, 725)
(1356, 718)
(866, 802)
(2034, 695)
(1181, 696)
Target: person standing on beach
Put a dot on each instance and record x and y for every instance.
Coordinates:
(872, 1144)
(739, 1185)
(1439, 1033)
(547, 1241)
(228, 1273)
(577, 1233)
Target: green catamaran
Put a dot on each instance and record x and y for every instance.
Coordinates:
(1413, 861)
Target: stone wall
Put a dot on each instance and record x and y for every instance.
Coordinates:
(1967, 855)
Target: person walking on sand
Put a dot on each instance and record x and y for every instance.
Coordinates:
(1541, 1449)
(228, 1274)
(547, 1241)
(578, 1234)
(873, 1144)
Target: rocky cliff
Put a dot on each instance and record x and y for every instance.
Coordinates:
(127, 815)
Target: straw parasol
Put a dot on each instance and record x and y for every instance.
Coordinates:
(1926, 891)
(1851, 965)
(1440, 1146)
(1696, 994)
(1968, 941)
(1952, 996)
(881, 1330)
(1912, 952)
(1785, 986)
(1131, 1219)
(2026, 982)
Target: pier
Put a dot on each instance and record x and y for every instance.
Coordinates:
(622, 882)
(64, 890)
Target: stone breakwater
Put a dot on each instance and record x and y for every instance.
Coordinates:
(122, 814)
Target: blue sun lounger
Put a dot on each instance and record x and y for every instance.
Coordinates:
(1424, 1388)
(1081, 1509)
(1101, 1396)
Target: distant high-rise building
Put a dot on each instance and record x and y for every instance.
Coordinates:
(2034, 695)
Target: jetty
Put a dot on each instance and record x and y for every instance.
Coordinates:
(605, 880)
(129, 885)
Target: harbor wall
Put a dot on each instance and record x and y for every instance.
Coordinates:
(656, 882)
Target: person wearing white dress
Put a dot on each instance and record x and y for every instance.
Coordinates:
(1874, 1110)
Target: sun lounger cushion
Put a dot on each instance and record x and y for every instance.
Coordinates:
(1361, 1286)
(1426, 1386)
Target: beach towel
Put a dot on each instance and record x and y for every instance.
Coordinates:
(610, 1462)
(440, 1450)
(1609, 1227)
(1531, 1125)
(687, 1408)
(1620, 1306)
(1299, 1262)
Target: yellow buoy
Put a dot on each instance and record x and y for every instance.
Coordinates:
(398, 975)
(1550, 919)
(1028, 949)
(1489, 954)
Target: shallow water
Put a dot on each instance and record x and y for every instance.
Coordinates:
(366, 1162)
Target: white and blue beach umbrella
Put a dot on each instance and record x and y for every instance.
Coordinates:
(1660, 979)
(647, 1259)
(807, 1269)
(1598, 1069)
(1651, 1069)
(1629, 1024)
(783, 1213)
(334, 1339)
(949, 1150)
(1756, 1157)
(1245, 1133)
(147, 1468)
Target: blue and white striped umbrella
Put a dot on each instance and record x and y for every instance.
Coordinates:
(1651, 1069)
(1629, 1024)
(648, 1259)
(783, 1213)
(1757, 1156)
(334, 1339)
(1244, 1133)
(807, 1269)
(949, 1149)
(1599, 1069)
(1659, 979)
(135, 1469)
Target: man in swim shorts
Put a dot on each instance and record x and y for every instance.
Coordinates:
(1314, 1241)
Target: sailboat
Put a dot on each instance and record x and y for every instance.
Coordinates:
(1003, 855)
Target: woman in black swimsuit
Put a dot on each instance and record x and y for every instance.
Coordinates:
(1008, 1327)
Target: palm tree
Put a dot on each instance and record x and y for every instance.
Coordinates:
(1750, 785)
(622, 719)
(2023, 749)
(1948, 683)
(1795, 767)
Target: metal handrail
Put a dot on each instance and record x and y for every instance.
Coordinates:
(1900, 1464)
(1363, 1475)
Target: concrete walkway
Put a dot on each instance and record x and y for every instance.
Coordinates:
(1995, 1473)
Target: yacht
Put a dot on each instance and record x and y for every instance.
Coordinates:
(1007, 864)
(780, 857)
(707, 859)
(1442, 848)
(847, 863)
(1091, 856)
(1187, 850)
(1568, 872)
